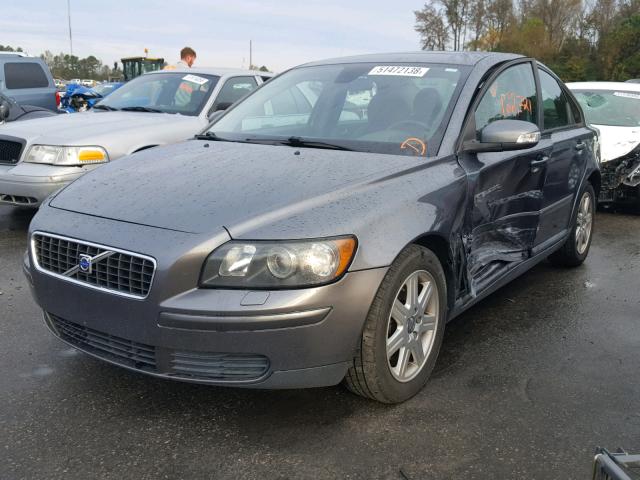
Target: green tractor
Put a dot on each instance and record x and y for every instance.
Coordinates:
(133, 67)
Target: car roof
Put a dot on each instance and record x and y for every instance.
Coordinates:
(630, 87)
(455, 58)
(14, 54)
(215, 71)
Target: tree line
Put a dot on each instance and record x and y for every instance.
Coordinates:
(9, 48)
(579, 40)
(69, 66)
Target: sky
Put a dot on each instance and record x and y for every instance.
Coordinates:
(285, 33)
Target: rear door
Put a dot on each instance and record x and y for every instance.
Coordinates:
(29, 83)
(505, 188)
(564, 132)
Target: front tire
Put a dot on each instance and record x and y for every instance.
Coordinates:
(403, 330)
(576, 248)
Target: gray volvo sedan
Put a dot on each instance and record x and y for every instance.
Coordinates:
(325, 228)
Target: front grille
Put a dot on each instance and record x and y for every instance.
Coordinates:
(17, 199)
(219, 366)
(116, 271)
(118, 350)
(10, 151)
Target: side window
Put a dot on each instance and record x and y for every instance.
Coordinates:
(512, 96)
(24, 75)
(233, 90)
(575, 109)
(282, 104)
(297, 100)
(555, 104)
(291, 106)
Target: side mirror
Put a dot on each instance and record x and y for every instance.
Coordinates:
(215, 115)
(5, 109)
(223, 106)
(505, 135)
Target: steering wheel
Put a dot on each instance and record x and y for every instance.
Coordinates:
(409, 123)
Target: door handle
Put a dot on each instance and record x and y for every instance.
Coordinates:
(536, 165)
(581, 145)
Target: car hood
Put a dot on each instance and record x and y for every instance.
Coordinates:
(199, 186)
(616, 142)
(86, 127)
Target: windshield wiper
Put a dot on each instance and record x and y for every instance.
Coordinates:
(301, 142)
(298, 142)
(104, 107)
(211, 136)
(291, 141)
(141, 109)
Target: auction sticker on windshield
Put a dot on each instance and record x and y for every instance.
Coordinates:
(399, 70)
(627, 94)
(195, 79)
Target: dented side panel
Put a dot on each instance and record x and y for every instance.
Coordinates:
(504, 212)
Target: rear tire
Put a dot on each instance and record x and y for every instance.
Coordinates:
(403, 331)
(576, 248)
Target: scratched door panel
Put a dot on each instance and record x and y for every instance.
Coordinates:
(507, 199)
(506, 195)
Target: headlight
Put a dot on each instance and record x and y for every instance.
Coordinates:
(276, 264)
(633, 179)
(56, 155)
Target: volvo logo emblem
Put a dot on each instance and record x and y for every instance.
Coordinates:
(85, 263)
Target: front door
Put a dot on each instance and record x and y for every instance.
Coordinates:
(505, 188)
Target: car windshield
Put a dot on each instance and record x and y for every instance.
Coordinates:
(104, 89)
(175, 92)
(397, 109)
(608, 107)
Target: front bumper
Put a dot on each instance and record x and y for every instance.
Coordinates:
(621, 179)
(28, 184)
(262, 339)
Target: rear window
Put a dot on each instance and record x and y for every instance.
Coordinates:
(24, 75)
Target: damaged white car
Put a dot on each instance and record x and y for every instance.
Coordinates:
(614, 109)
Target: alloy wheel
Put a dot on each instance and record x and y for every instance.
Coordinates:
(412, 325)
(584, 223)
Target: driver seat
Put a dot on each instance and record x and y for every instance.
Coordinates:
(427, 105)
(385, 109)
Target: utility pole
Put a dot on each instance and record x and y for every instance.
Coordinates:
(69, 17)
(250, 55)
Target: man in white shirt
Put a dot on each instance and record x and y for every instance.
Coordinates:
(187, 57)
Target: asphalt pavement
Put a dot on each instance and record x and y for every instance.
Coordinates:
(528, 383)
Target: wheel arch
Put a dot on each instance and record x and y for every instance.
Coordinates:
(595, 179)
(439, 245)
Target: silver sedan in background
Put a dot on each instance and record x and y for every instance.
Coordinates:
(40, 156)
